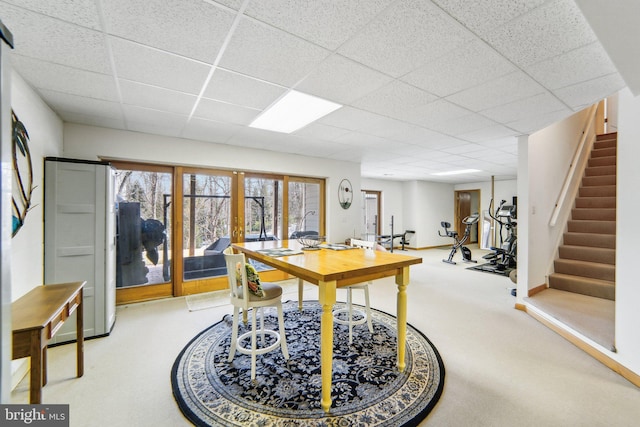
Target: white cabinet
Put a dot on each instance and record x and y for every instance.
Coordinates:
(79, 238)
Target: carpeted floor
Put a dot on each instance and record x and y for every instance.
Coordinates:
(367, 387)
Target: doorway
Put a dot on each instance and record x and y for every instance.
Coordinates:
(370, 214)
(467, 202)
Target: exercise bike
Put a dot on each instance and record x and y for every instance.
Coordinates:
(504, 256)
(458, 243)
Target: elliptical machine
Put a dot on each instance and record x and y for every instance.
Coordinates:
(458, 243)
(504, 257)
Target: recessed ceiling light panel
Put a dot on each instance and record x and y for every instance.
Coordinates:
(458, 172)
(293, 111)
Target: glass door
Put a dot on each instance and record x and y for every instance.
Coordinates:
(207, 200)
(263, 207)
(143, 237)
(306, 207)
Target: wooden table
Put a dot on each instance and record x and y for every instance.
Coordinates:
(331, 269)
(35, 318)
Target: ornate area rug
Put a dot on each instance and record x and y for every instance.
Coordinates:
(367, 390)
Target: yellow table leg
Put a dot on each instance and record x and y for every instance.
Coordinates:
(300, 292)
(402, 280)
(327, 294)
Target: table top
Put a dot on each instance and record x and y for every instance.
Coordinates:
(327, 264)
(38, 307)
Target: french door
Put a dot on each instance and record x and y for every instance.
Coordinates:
(175, 222)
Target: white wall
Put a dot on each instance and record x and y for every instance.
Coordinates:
(91, 143)
(27, 246)
(549, 153)
(425, 205)
(628, 206)
(45, 132)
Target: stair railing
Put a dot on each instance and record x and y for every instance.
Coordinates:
(578, 163)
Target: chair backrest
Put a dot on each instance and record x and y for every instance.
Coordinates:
(238, 290)
(365, 244)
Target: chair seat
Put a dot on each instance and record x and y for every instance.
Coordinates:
(271, 291)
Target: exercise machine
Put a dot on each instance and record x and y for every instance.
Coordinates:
(388, 239)
(458, 243)
(503, 258)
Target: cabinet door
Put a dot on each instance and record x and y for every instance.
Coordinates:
(75, 212)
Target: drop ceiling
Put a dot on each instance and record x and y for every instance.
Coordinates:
(426, 86)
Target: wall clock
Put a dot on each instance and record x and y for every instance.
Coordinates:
(345, 194)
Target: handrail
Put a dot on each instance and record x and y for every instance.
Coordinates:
(562, 196)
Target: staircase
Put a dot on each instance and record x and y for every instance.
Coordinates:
(587, 256)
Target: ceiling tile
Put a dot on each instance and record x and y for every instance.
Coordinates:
(432, 113)
(464, 124)
(49, 39)
(583, 94)
(242, 90)
(528, 107)
(360, 139)
(145, 120)
(262, 139)
(503, 144)
(579, 65)
(321, 131)
(350, 118)
(488, 134)
(406, 36)
(534, 124)
(65, 79)
(400, 131)
(87, 119)
(483, 16)
(555, 28)
(438, 144)
(270, 54)
(351, 154)
(224, 112)
(502, 90)
(467, 66)
(342, 80)
(315, 148)
(81, 105)
(156, 98)
(80, 12)
(209, 130)
(195, 29)
(394, 98)
(328, 23)
(463, 149)
(155, 67)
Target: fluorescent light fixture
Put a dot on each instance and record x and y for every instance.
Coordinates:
(293, 111)
(458, 172)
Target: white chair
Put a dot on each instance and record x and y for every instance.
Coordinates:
(242, 298)
(366, 314)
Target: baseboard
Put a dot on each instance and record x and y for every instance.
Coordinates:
(597, 352)
(536, 290)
